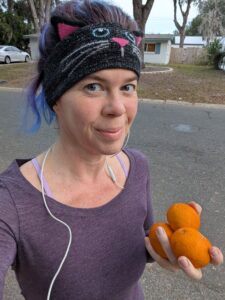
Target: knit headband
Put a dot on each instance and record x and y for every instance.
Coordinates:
(83, 50)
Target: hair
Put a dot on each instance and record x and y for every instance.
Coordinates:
(82, 11)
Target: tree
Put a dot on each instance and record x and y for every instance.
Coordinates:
(213, 49)
(141, 13)
(40, 12)
(193, 28)
(12, 30)
(184, 12)
(212, 13)
(36, 12)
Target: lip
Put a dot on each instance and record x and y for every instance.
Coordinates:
(111, 133)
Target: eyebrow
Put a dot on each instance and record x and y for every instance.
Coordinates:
(99, 78)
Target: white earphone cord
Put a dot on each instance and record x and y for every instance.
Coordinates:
(58, 220)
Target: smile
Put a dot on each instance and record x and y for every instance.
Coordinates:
(111, 133)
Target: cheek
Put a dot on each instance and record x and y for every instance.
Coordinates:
(78, 117)
(132, 108)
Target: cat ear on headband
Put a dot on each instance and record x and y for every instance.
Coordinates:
(64, 30)
(64, 27)
(138, 36)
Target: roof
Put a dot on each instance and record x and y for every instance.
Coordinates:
(159, 37)
(191, 40)
(36, 35)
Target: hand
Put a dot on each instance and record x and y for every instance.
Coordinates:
(172, 263)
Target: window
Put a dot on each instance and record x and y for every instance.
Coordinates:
(14, 49)
(153, 47)
(150, 47)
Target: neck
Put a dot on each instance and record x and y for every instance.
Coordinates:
(68, 162)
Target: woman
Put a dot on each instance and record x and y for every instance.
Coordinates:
(74, 219)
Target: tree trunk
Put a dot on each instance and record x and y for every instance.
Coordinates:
(48, 10)
(41, 14)
(182, 37)
(141, 13)
(34, 15)
(184, 13)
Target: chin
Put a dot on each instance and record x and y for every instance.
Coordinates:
(112, 149)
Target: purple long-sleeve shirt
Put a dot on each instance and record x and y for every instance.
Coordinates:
(107, 255)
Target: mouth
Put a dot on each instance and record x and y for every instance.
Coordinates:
(111, 133)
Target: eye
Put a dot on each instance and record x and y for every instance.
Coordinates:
(129, 88)
(101, 32)
(130, 37)
(93, 87)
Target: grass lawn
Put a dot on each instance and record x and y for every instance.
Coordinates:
(17, 74)
(189, 83)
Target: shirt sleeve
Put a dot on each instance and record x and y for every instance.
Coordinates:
(9, 233)
(149, 217)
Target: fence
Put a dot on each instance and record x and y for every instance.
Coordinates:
(192, 55)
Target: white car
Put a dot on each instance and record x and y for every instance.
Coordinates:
(10, 54)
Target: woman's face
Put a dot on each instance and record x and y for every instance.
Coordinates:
(96, 113)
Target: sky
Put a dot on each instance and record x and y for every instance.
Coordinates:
(161, 16)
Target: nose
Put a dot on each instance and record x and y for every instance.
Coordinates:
(122, 42)
(115, 105)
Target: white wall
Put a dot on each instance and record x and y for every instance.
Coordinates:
(34, 48)
(162, 58)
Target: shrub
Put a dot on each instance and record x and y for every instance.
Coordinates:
(213, 50)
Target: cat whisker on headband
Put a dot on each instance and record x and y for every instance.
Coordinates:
(137, 51)
(86, 57)
(77, 59)
(82, 47)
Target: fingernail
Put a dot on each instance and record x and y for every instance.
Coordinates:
(213, 252)
(184, 263)
(159, 231)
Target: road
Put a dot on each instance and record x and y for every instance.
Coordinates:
(186, 148)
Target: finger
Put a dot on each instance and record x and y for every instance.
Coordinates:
(216, 256)
(189, 269)
(164, 241)
(164, 263)
(196, 206)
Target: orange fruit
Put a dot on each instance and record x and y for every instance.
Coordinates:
(191, 243)
(154, 239)
(183, 215)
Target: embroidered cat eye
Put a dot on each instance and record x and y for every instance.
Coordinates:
(101, 32)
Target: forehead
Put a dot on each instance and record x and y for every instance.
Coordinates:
(116, 74)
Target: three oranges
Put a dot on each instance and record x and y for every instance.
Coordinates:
(183, 233)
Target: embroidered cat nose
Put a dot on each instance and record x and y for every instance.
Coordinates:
(120, 41)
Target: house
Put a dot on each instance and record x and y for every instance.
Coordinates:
(190, 41)
(157, 48)
(33, 45)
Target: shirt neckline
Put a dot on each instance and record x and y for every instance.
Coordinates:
(59, 207)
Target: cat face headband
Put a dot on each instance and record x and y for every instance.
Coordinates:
(83, 50)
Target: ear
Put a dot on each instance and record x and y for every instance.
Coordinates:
(55, 107)
(64, 30)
